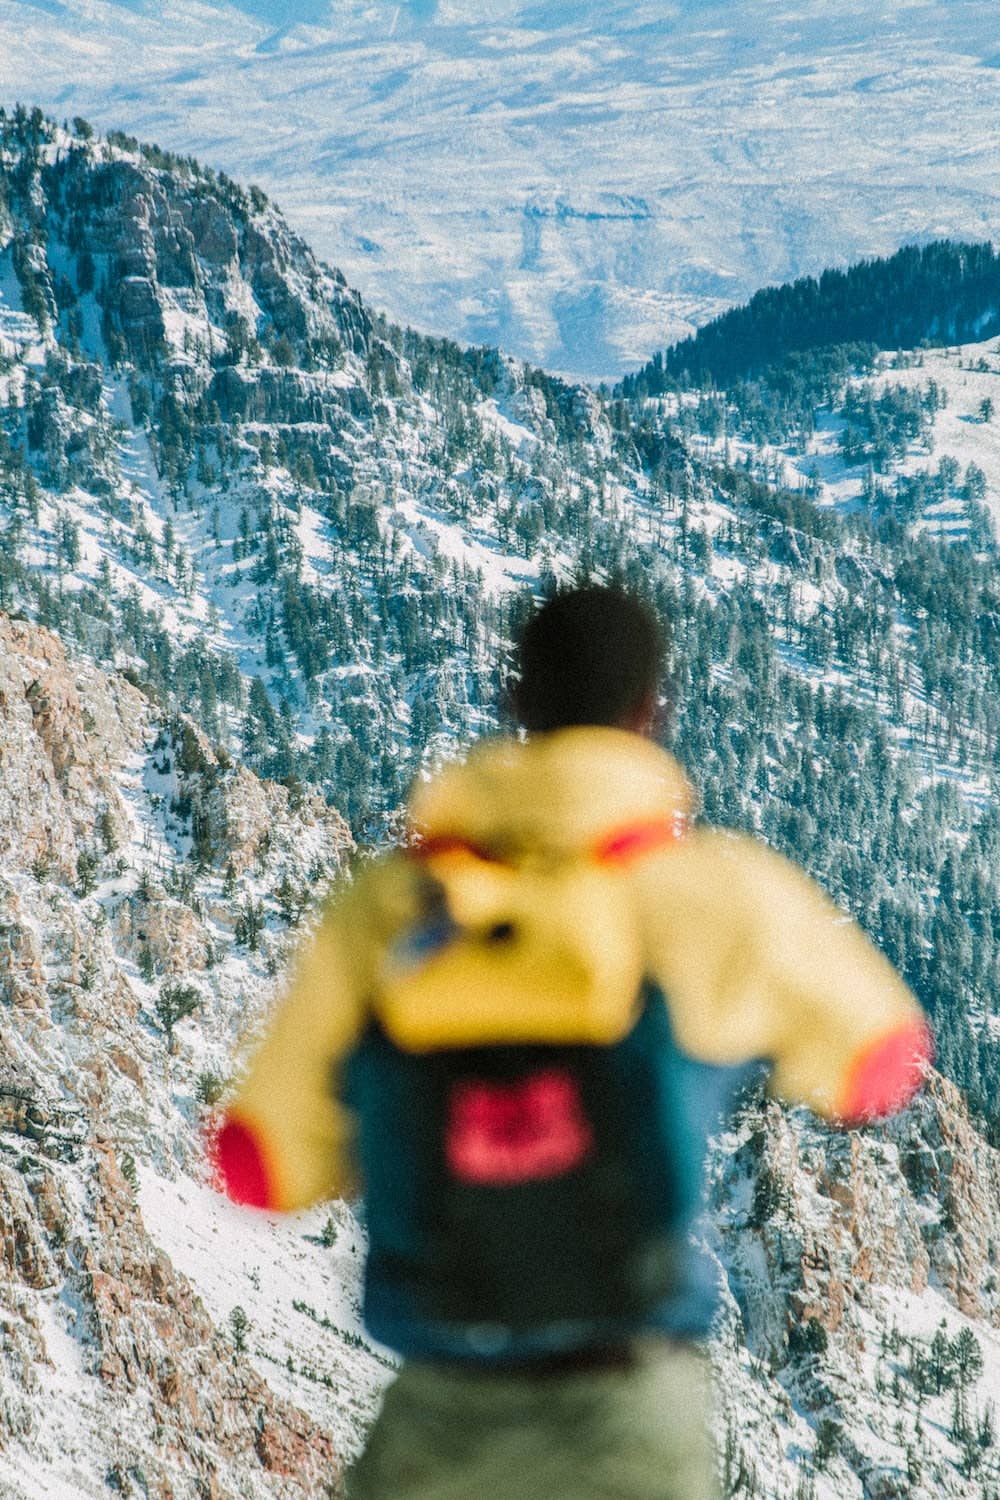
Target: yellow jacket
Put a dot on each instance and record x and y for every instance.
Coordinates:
(753, 959)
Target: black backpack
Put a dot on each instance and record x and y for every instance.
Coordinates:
(519, 1187)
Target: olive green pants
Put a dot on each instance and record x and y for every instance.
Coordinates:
(636, 1433)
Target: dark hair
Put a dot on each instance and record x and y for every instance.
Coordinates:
(589, 655)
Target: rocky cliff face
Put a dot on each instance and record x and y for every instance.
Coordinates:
(114, 1373)
(845, 1255)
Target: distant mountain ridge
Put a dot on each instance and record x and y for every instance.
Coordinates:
(941, 293)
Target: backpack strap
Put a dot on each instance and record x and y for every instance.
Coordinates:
(449, 843)
(628, 842)
(634, 839)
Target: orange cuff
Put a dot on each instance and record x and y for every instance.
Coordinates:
(635, 839)
(240, 1166)
(886, 1074)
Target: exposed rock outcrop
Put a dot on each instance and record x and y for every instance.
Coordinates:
(166, 1405)
(67, 731)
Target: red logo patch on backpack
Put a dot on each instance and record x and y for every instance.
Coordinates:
(500, 1134)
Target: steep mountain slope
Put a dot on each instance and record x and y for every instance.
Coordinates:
(250, 530)
(577, 183)
(114, 1374)
(813, 386)
(862, 1307)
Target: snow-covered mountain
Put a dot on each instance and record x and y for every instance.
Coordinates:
(122, 991)
(577, 183)
(261, 553)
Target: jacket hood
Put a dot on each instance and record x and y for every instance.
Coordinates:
(564, 791)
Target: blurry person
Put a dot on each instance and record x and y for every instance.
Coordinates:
(520, 1030)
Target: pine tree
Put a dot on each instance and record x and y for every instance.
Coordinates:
(940, 1360)
(967, 1358)
(175, 1003)
(239, 1327)
(828, 1435)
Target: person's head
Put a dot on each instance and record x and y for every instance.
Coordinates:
(589, 655)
